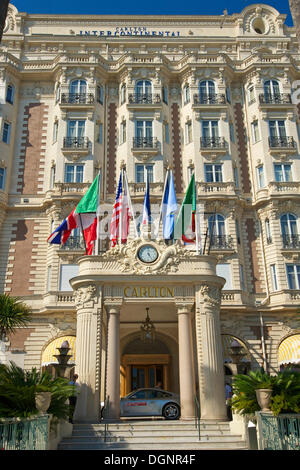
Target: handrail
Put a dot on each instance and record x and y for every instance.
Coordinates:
(105, 415)
(197, 415)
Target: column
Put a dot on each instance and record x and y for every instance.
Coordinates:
(113, 360)
(186, 366)
(209, 351)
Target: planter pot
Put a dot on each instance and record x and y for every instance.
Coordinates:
(42, 401)
(263, 396)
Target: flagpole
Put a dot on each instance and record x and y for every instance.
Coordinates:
(82, 233)
(162, 201)
(197, 220)
(130, 204)
(121, 208)
(98, 215)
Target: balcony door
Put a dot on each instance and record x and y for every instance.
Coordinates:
(78, 87)
(143, 88)
(206, 91)
(271, 90)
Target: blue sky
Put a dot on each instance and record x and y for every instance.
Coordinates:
(155, 7)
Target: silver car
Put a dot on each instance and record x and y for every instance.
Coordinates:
(151, 402)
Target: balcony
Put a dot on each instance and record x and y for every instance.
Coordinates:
(145, 145)
(283, 99)
(213, 144)
(210, 100)
(137, 190)
(221, 242)
(77, 99)
(291, 242)
(278, 144)
(143, 98)
(78, 145)
(215, 189)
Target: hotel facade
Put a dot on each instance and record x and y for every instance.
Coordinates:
(213, 96)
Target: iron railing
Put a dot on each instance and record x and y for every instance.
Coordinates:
(212, 98)
(276, 98)
(221, 242)
(291, 241)
(76, 142)
(213, 142)
(197, 415)
(73, 243)
(282, 142)
(24, 434)
(143, 98)
(77, 98)
(145, 142)
(280, 432)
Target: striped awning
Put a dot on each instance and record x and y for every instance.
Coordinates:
(226, 344)
(51, 349)
(289, 350)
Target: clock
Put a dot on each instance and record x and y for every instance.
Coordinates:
(147, 254)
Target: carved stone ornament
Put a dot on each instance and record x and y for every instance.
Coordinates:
(126, 256)
(85, 296)
(210, 295)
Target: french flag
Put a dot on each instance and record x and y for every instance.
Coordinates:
(62, 233)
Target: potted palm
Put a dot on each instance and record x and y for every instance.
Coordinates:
(252, 392)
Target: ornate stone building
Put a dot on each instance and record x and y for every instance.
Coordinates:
(213, 95)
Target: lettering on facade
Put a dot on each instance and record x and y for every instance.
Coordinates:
(149, 291)
(130, 31)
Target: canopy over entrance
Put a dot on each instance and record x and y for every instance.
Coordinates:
(289, 350)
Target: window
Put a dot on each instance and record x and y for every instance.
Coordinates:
(10, 94)
(213, 173)
(123, 93)
(100, 133)
(143, 88)
(216, 225)
(231, 132)
(67, 271)
(206, 91)
(242, 277)
(210, 129)
(55, 131)
(228, 94)
(76, 128)
(188, 132)
(236, 176)
(268, 231)
(52, 177)
(142, 172)
(123, 132)
(288, 223)
(277, 128)
(283, 172)
(73, 173)
(57, 94)
(274, 277)
(260, 176)
(238, 233)
(166, 133)
(2, 178)
(251, 94)
(186, 94)
(224, 270)
(271, 90)
(293, 276)
(6, 132)
(78, 87)
(100, 94)
(255, 132)
(165, 93)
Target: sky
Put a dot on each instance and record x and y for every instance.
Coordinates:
(135, 7)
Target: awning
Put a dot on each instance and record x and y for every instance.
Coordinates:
(51, 349)
(289, 350)
(226, 344)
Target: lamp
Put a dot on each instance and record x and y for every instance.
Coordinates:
(147, 329)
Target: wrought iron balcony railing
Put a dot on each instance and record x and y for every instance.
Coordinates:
(212, 98)
(145, 142)
(276, 98)
(143, 98)
(76, 143)
(291, 241)
(221, 242)
(77, 98)
(282, 142)
(213, 143)
(73, 243)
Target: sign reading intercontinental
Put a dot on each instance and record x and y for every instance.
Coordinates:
(149, 291)
(129, 31)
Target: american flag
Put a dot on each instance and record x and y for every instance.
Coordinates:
(121, 213)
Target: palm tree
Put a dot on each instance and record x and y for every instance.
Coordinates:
(13, 314)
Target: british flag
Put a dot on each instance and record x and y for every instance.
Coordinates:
(119, 226)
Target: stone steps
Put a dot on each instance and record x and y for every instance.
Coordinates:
(152, 435)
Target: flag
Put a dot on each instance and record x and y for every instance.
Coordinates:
(146, 209)
(84, 217)
(169, 207)
(119, 226)
(186, 217)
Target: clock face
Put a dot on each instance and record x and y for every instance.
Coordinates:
(148, 254)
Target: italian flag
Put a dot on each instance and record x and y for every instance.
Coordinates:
(186, 220)
(84, 217)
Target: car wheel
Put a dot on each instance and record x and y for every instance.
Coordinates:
(171, 411)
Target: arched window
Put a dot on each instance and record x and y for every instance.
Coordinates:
(216, 228)
(10, 94)
(123, 93)
(268, 231)
(143, 91)
(289, 230)
(78, 87)
(206, 91)
(186, 93)
(271, 90)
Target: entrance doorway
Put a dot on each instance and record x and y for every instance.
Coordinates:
(146, 376)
